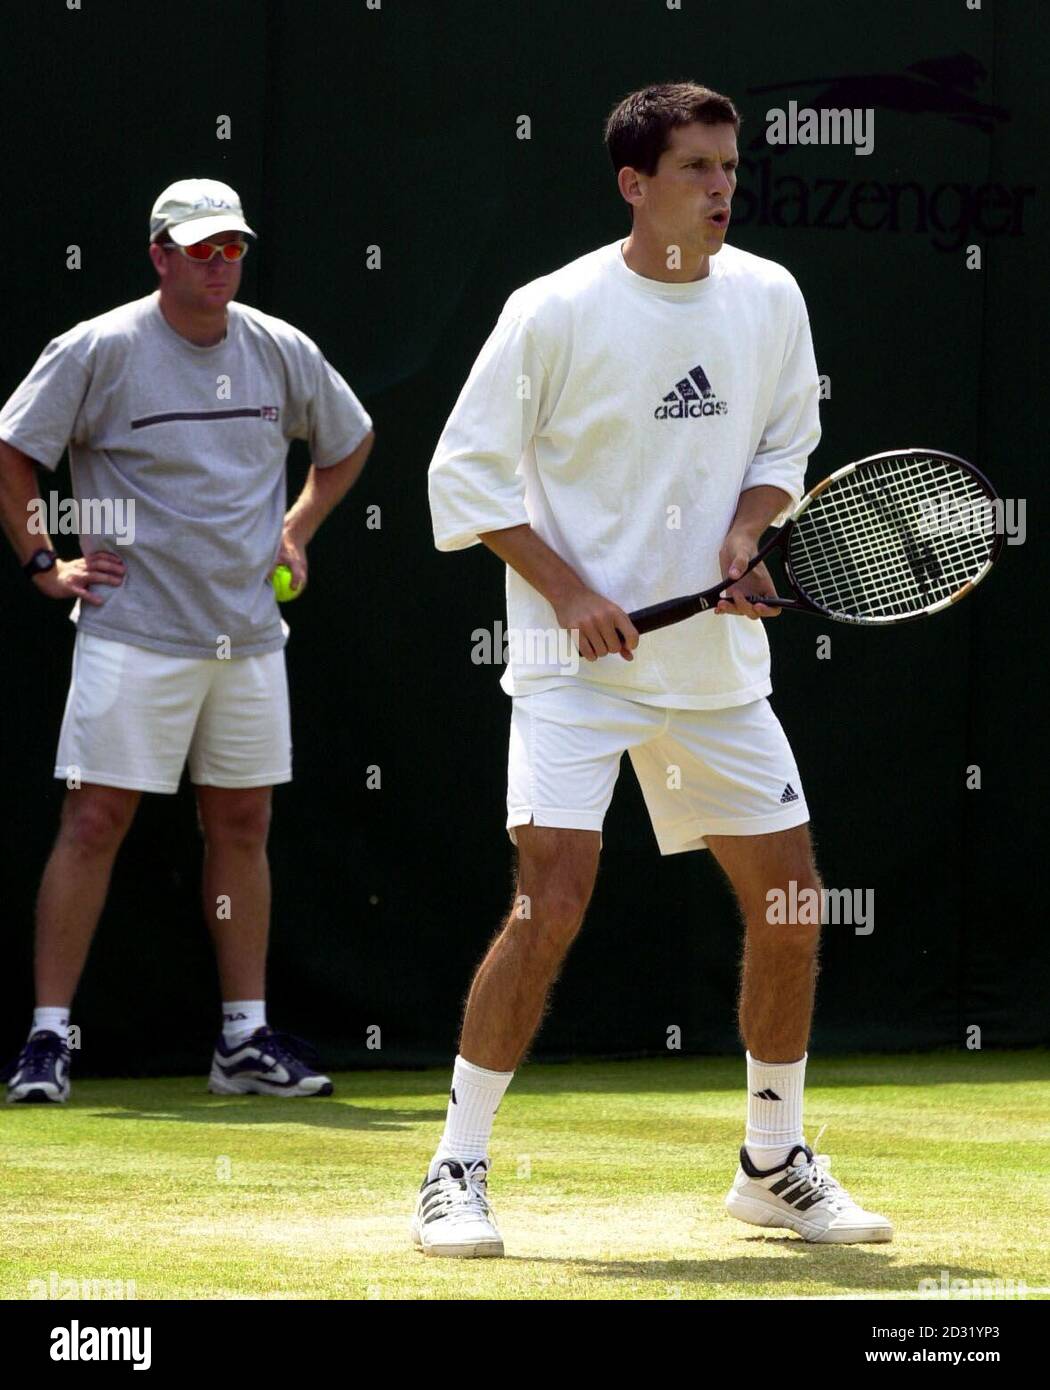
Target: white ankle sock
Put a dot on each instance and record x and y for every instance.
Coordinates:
(774, 1110)
(240, 1018)
(51, 1019)
(472, 1105)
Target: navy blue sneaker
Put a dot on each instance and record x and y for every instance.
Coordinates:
(40, 1073)
(267, 1064)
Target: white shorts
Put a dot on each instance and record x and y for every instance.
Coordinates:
(134, 716)
(702, 771)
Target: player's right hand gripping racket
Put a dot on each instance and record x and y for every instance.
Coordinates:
(890, 538)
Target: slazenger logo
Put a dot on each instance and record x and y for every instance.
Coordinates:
(951, 213)
(692, 398)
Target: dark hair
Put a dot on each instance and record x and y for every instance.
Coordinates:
(639, 128)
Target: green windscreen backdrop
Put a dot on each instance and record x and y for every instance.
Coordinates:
(393, 134)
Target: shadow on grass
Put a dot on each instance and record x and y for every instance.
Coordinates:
(838, 1267)
(685, 1074)
(272, 1110)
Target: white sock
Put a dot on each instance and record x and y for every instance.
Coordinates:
(774, 1110)
(51, 1019)
(472, 1105)
(240, 1018)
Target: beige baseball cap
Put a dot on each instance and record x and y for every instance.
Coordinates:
(192, 210)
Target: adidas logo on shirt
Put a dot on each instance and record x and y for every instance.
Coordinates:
(789, 794)
(691, 398)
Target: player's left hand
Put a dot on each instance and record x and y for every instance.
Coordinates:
(293, 554)
(736, 551)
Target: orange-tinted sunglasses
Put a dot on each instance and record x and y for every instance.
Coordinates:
(204, 251)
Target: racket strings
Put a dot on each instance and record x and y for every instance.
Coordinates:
(891, 564)
(897, 536)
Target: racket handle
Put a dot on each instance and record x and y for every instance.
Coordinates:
(672, 610)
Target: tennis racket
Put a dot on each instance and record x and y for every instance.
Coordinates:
(890, 538)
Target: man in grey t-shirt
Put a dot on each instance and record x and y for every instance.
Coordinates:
(177, 410)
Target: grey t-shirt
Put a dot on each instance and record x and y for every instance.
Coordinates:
(198, 439)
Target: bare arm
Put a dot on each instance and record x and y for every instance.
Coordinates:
(755, 511)
(323, 490)
(582, 611)
(69, 578)
(18, 491)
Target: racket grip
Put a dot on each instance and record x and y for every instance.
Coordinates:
(672, 610)
(675, 610)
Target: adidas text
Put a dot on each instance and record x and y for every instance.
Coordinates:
(681, 410)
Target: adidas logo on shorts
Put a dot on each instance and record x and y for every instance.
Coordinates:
(788, 794)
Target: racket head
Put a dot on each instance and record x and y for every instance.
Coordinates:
(893, 537)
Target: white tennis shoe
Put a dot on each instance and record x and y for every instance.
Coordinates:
(802, 1196)
(453, 1215)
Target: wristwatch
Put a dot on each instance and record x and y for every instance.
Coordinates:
(40, 562)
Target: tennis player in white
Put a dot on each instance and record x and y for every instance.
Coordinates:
(634, 423)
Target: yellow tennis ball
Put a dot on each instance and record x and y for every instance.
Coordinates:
(282, 585)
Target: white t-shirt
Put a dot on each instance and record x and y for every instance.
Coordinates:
(622, 417)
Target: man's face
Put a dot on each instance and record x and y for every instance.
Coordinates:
(199, 286)
(686, 202)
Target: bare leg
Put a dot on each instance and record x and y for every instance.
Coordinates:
(73, 889)
(780, 961)
(556, 873)
(236, 884)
